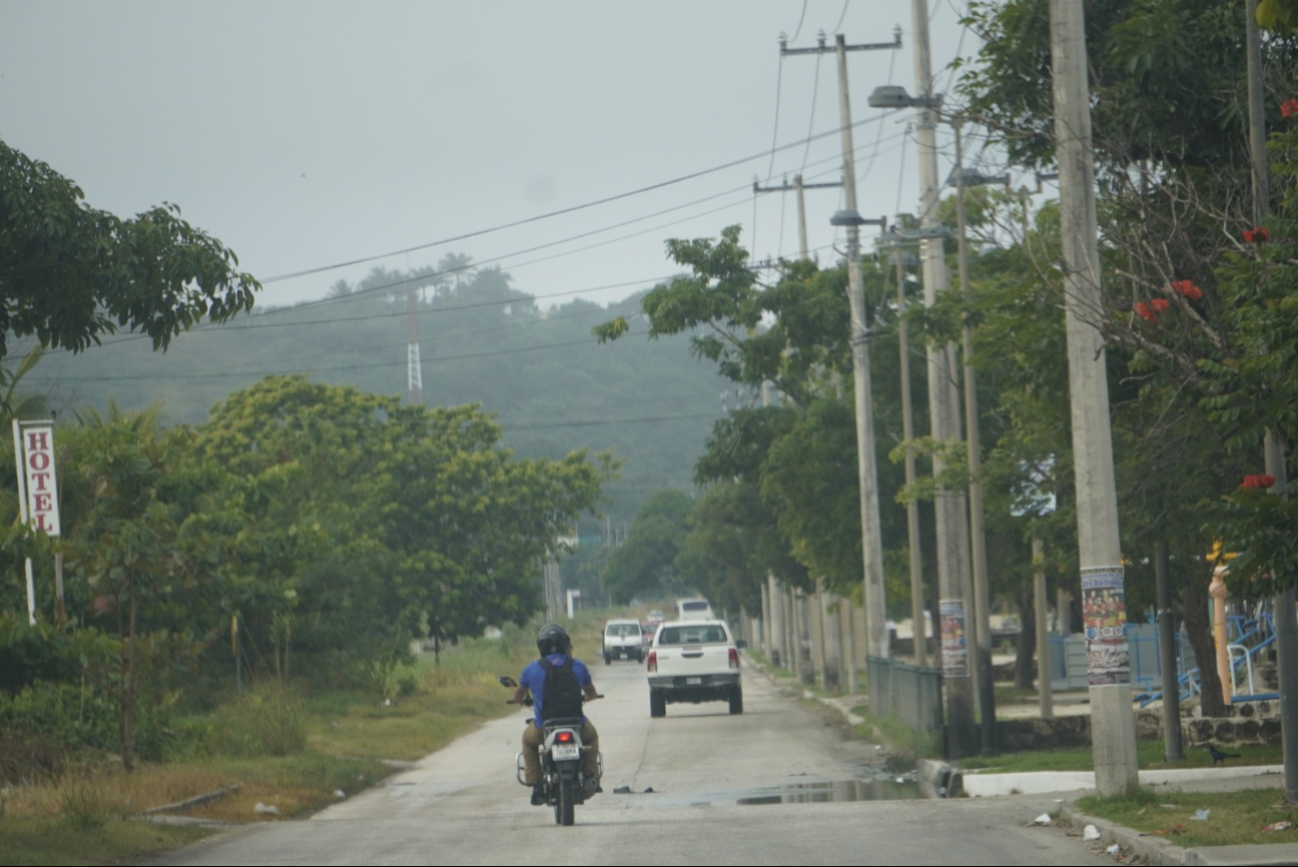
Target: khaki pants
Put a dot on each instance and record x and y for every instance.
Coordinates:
(534, 737)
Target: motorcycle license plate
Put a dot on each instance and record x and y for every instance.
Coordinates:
(564, 751)
(692, 681)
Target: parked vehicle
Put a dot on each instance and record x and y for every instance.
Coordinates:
(694, 609)
(623, 639)
(562, 777)
(694, 661)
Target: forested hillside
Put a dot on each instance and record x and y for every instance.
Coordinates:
(532, 362)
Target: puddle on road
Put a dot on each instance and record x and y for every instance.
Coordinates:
(811, 792)
(836, 792)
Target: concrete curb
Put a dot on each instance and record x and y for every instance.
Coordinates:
(939, 779)
(1156, 850)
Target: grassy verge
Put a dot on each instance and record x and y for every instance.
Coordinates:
(905, 741)
(1236, 819)
(1149, 756)
(89, 815)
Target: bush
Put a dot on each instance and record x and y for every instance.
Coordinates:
(29, 756)
(76, 715)
(270, 720)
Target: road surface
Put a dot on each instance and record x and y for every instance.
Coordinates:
(778, 784)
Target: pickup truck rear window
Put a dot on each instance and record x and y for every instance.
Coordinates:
(692, 635)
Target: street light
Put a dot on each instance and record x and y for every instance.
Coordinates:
(895, 96)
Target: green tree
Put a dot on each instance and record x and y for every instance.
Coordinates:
(645, 565)
(72, 273)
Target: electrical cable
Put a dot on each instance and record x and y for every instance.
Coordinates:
(560, 212)
(811, 121)
(226, 328)
(801, 18)
(841, 18)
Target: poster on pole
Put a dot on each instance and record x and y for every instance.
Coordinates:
(1104, 613)
(955, 643)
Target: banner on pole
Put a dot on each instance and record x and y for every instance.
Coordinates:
(1104, 613)
(955, 640)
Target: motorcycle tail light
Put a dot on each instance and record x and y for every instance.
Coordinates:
(653, 661)
(564, 737)
(734, 658)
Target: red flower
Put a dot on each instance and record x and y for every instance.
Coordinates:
(1160, 304)
(1188, 289)
(1260, 235)
(1263, 481)
(1144, 312)
(1289, 108)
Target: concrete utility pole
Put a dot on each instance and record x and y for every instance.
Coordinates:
(797, 187)
(951, 518)
(919, 630)
(1286, 623)
(1113, 725)
(973, 438)
(871, 539)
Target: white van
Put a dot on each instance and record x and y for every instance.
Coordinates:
(694, 609)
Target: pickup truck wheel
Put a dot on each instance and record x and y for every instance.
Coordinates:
(737, 700)
(657, 703)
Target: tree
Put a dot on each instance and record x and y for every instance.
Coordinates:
(72, 273)
(645, 564)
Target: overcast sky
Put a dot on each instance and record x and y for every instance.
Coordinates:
(308, 134)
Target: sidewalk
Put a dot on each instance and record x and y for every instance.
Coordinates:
(1070, 785)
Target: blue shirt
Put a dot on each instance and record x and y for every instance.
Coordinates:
(533, 678)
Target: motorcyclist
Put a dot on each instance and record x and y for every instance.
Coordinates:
(554, 645)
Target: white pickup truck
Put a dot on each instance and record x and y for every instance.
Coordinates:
(694, 661)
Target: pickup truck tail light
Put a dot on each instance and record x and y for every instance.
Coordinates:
(653, 661)
(734, 658)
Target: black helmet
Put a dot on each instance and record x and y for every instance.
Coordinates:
(552, 639)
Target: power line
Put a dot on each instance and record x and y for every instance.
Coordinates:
(560, 212)
(801, 18)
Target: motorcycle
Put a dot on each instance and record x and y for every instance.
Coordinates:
(562, 779)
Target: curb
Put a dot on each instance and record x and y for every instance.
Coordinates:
(1155, 850)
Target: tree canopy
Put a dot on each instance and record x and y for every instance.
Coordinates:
(72, 273)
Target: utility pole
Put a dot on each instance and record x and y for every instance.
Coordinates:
(1286, 623)
(1113, 725)
(973, 439)
(797, 187)
(871, 542)
(919, 630)
(951, 517)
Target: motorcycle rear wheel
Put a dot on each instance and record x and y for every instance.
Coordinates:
(563, 811)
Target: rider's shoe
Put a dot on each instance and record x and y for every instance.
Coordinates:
(538, 796)
(592, 786)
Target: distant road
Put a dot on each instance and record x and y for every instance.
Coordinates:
(462, 805)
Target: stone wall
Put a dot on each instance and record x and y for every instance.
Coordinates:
(1248, 723)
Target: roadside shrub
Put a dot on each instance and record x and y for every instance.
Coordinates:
(85, 802)
(29, 756)
(77, 715)
(270, 720)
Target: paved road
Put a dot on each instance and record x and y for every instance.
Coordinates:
(462, 805)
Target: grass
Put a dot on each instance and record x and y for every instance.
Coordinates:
(1149, 757)
(1233, 820)
(905, 741)
(89, 815)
